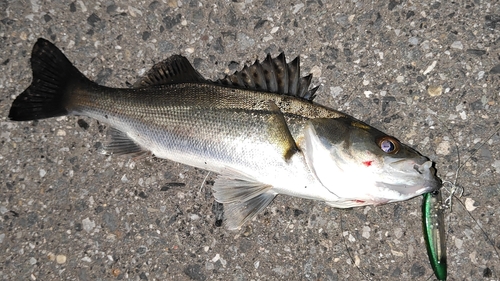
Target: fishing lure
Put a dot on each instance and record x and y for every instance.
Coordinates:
(434, 232)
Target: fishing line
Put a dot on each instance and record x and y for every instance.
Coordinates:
(203, 183)
(453, 188)
(487, 237)
(347, 248)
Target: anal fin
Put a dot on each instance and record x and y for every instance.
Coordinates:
(243, 199)
(121, 144)
(237, 214)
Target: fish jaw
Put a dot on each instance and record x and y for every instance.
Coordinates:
(358, 187)
(374, 189)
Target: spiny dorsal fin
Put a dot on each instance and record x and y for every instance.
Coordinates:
(173, 70)
(273, 75)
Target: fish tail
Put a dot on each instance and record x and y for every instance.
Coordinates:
(54, 79)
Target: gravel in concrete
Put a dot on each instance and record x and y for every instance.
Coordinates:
(427, 72)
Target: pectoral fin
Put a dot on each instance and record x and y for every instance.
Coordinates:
(280, 133)
(243, 199)
(121, 144)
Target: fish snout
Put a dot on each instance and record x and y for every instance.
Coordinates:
(431, 181)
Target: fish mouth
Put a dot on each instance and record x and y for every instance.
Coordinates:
(431, 181)
(419, 177)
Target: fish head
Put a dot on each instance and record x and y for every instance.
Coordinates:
(364, 166)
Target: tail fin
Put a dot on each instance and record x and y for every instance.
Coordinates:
(53, 78)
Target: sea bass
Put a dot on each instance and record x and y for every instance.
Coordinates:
(257, 128)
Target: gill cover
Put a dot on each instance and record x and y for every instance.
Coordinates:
(344, 155)
(323, 154)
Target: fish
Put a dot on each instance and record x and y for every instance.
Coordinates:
(258, 129)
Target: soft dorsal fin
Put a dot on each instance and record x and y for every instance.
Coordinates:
(273, 75)
(173, 70)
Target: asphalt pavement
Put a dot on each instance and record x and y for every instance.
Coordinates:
(427, 72)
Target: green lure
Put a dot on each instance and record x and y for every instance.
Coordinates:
(434, 232)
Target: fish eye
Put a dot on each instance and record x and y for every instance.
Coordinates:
(388, 145)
